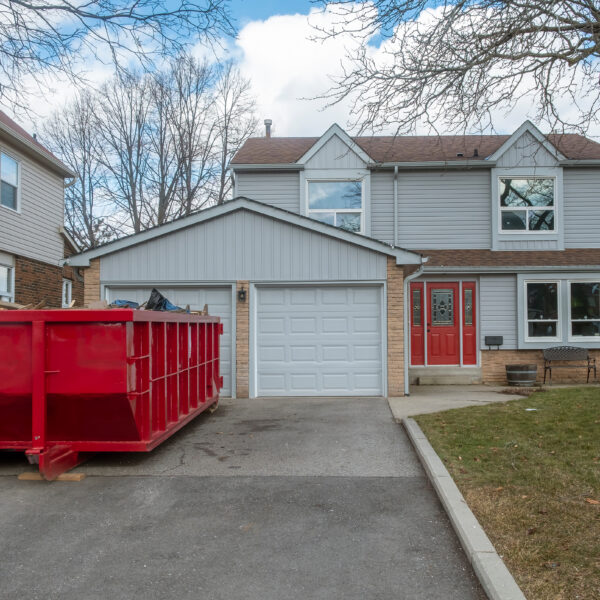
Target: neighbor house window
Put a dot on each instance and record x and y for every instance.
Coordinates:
(67, 292)
(337, 203)
(6, 283)
(527, 204)
(542, 300)
(585, 309)
(9, 181)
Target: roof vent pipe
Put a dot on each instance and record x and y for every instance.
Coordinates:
(268, 123)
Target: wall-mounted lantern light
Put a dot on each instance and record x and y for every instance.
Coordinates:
(242, 295)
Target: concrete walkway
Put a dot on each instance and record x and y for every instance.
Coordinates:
(434, 398)
(271, 499)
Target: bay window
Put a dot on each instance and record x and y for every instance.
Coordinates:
(527, 204)
(585, 309)
(337, 203)
(542, 306)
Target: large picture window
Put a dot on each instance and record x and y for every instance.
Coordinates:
(9, 181)
(585, 309)
(542, 298)
(338, 203)
(527, 204)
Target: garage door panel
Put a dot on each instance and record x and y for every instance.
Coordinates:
(219, 305)
(331, 341)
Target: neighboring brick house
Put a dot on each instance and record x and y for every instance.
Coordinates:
(32, 236)
(349, 266)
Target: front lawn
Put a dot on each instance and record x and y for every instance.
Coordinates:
(532, 478)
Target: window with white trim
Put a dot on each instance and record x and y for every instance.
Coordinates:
(9, 182)
(527, 204)
(67, 292)
(338, 203)
(542, 310)
(6, 283)
(584, 299)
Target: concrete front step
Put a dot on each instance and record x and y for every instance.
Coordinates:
(445, 375)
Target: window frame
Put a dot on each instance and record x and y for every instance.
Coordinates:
(500, 209)
(570, 336)
(67, 285)
(362, 211)
(559, 321)
(4, 152)
(9, 294)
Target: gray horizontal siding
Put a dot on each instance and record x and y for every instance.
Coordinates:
(382, 206)
(335, 154)
(582, 208)
(34, 232)
(243, 246)
(275, 188)
(498, 308)
(444, 209)
(526, 152)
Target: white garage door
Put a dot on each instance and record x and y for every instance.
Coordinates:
(319, 341)
(219, 305)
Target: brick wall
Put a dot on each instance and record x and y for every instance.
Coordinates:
(395, 324)
(91, 278)
(493, 364)
(36, 281)
(242, 343)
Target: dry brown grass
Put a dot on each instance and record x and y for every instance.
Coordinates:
(532, 478)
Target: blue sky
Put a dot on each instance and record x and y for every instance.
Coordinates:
(252, 10)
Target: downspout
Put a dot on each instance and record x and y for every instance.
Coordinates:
(407, 281)
(395, 206)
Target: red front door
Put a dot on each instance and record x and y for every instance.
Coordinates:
(443, 329)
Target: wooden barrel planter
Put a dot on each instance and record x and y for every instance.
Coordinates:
(521, 375)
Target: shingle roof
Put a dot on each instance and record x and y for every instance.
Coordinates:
(287, 150)
(19, 131)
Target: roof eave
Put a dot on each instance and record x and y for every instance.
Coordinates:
(434, 164)
(267, 167)
(439, 269)
(584, 162)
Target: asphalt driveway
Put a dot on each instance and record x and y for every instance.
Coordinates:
(265, 499)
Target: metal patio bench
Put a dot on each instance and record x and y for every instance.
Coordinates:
(568, 354)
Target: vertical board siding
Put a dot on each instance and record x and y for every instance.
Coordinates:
(582, 208)
(382, 206)
(335, 154)
(526, 152)
(444, 209)
(498, 308)
(276, 188)
(243, 245)
(33, 232)
(529, 244)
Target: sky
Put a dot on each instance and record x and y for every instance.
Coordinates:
(287, 69)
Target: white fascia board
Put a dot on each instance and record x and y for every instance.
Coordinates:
(335, 129)
(510, 269)
(584, 162)
(402, 256)
(434, 164)
(267, 167)
(529, 127)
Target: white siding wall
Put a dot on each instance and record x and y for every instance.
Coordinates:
(444, 209)
(582, 208)
(382, 206)
(275, 188)
(242, 246)
(335, 154)
(33, 232)
(526, 152)
(498, 308)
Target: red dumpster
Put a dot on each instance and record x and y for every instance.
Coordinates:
(79, 381)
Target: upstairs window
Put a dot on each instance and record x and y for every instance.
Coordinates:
(338, 203)
(527, 204)
(9, 181)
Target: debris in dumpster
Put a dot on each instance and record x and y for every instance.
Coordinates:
(158, 302)
(124, 304)
(97, 304)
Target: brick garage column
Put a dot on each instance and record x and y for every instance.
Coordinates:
(395, 328)
(242, 342)
(91, 282)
